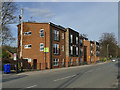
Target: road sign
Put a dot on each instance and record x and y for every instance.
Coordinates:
(89, 56)
(46, 50)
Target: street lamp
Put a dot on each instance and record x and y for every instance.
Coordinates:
(107, 51)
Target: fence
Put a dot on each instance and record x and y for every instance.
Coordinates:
(23, 65)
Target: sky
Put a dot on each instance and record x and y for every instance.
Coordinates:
(91, 18)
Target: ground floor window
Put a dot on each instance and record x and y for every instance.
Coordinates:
(55, 61)
(71, 61)
(62, 61)
(80, 60)
(76, 60)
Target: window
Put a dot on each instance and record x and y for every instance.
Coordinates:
(62, 61)
(80, 60)
(29, 59)
(81, 42)
(91, 53)
(55, 61)
(62, 35)
(76, 60)
(27, 33)
(41, 32)
(76, 40)
(76, 50)
(62, 47)
(71, 38)
(81, 52)
(41, 47)
(71, 50)
(56, 35)
(28, 46)
(71, 61)
(56, 48)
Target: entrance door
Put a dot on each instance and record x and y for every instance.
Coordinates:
(85, 53)
(34, 63)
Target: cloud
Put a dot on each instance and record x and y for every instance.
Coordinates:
(36, 12)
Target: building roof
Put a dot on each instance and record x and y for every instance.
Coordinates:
(72, 30)
(82, 37)
(52, 24)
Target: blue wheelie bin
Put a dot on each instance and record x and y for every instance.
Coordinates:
(7, 68)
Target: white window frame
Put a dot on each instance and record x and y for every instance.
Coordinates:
(27, 46)
(41, 32)
(56, 35)
(76, 50)
(71, 38)
(76, 40)
(56, 50)
(27, 33)
(55, 61)
(42, 47)
(62, 35)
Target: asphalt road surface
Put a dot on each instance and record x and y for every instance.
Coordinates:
(102, 75)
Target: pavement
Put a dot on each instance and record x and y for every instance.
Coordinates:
(101, 75)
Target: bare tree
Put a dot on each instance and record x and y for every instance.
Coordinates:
(108, 39)
(8, 17)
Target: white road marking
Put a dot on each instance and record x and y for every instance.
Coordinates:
(31, 86)
(22, 74)
(64, 78)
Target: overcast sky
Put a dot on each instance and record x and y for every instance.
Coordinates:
(91, 18)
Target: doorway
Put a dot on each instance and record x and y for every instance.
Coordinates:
(34, 63)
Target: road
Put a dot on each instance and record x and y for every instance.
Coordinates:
(102, 75)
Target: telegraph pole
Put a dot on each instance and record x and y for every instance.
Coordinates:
(21, 34)
(107, 51)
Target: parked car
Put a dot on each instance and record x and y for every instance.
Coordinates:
(113, 60)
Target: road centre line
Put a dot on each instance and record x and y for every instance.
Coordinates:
(64, 78)
(31, 86)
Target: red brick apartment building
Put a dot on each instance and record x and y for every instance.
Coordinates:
(43, 44)
(82, 51)
(72, 47)
(91, 51)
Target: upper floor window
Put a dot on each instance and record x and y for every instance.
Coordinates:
(28, 46)
(62, 35)
(76, 40)
(41, 32)
(56, 35)
(41, 47)
(55, 61)
(27, 33)
(56, 48)
(71, 38)
(81, 52)
(76, 50)
(62, 47)
(81, 42)
(71, 49)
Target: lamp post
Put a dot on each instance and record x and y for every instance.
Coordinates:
(107, 51)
